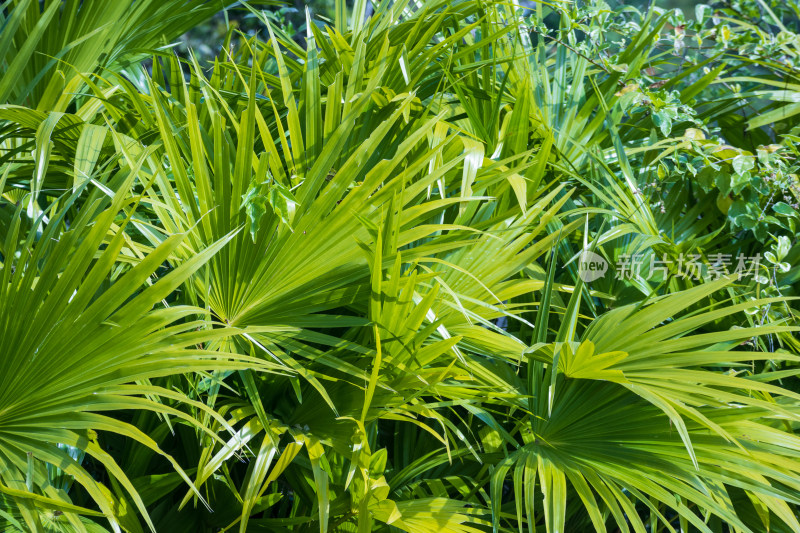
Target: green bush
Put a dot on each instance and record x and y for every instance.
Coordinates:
(427, 267)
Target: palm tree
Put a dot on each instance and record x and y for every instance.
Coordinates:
(334, 286)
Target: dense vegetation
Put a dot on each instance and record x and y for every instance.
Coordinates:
(343, 275)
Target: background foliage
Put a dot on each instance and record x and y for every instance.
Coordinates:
(316, 268)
